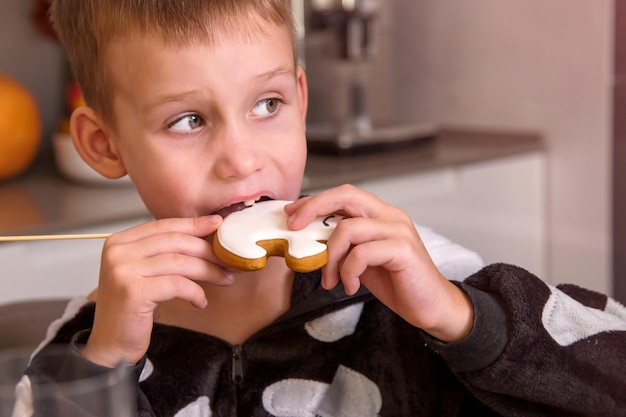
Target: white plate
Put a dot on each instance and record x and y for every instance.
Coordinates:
(72, 166)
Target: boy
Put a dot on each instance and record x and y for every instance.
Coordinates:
(203, 105)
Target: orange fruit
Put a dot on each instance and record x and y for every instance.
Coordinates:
(20, 128)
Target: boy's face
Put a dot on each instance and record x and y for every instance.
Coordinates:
(199, 127)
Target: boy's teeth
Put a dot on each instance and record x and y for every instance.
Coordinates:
(249, 203)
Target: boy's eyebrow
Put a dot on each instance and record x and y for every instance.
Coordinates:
(283, 70)
(170, 98)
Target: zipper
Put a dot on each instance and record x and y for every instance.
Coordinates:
(334, 296)
(237, 371)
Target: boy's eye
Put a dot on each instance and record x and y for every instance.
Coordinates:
(266, 107)
(187, 123)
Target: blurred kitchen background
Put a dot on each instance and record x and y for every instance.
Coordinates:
(521, 65)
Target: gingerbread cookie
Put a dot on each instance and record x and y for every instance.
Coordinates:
(246, 238)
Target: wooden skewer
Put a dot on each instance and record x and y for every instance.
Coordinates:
(54, 237)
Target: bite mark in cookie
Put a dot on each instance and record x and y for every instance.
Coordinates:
(233, 208)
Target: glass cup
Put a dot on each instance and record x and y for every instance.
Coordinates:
(107, 392)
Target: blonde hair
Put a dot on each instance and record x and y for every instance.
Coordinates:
(86, 27)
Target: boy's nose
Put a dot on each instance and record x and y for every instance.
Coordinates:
(238, 157)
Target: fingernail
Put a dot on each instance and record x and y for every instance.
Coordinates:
(214, 218)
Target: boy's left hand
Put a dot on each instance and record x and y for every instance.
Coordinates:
(378, 246)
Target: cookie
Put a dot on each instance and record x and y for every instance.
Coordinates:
(246, 238)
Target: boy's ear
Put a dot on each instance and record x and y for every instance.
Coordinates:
(303, 92)
(93, 143)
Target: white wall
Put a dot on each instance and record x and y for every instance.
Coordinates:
(530, 64)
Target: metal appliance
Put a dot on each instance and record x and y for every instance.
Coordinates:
(348, 53)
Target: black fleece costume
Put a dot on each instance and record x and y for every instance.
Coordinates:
(535, 350)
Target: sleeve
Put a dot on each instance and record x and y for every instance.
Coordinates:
(56, 366)
(538, 350)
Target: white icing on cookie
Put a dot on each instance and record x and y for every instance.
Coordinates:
(267, 221)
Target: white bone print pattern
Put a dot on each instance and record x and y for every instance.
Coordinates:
(351, 394)
(568, 321)
(336, 325)
(198, 408)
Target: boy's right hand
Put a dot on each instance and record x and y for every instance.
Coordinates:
(142, 267)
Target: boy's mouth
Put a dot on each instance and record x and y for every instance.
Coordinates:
(240, 206)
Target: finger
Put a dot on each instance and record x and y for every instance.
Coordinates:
(294, 206)
(330, 275)
(371, 254)
(165, 288)
(199, 227)
(355, 231)
(346, 199)
(358, 234)
(156, 244)
(190, 267)
(349, 232)
(381, 253)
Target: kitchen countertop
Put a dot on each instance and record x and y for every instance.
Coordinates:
(41, 201)
(451, 147)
